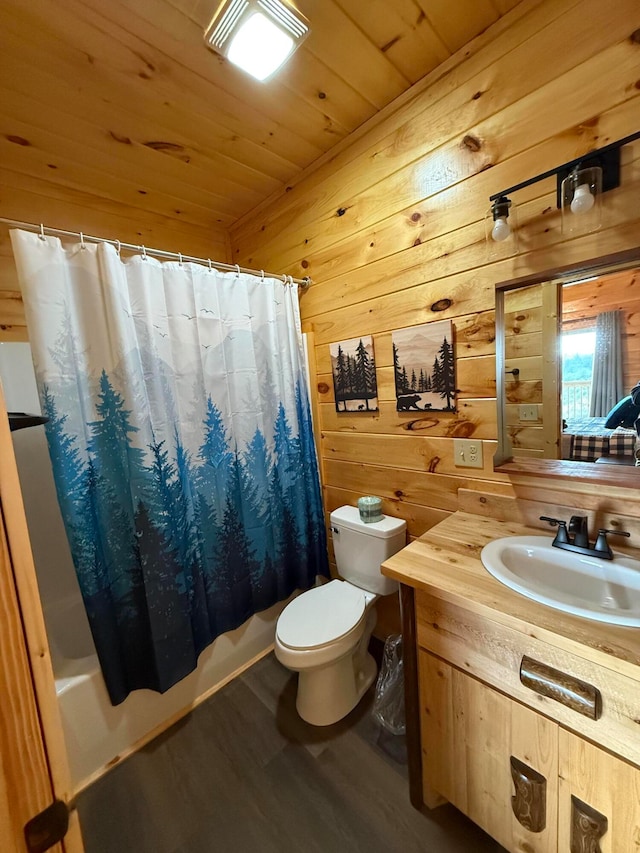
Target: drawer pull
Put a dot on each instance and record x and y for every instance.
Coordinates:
(529, 803)
(566, 689)
(587, 827)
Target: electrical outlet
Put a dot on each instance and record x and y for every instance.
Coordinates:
(467, 453)
(529, 413)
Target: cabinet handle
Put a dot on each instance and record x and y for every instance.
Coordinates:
(587, 827)
(529, 803)
(566, 689)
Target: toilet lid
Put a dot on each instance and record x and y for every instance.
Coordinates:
(321, 616)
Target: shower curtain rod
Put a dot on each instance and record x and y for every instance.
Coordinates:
(304, 283)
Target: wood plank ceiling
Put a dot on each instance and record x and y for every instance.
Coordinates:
(122, 100)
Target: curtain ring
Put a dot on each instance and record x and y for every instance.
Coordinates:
(41, 234)
(237, 270)
(284, 279)
(82, 243)
(262, 274)
(144, 253)
(118, 247)
(179, 258)
(210, 267)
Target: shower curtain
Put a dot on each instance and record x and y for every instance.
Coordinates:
(181, 443)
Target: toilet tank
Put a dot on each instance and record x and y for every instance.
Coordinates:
(361, 548)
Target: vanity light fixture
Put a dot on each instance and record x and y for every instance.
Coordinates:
(501, 230)
(256, 35)
(500, 213)
(580, 198)
(580, 184)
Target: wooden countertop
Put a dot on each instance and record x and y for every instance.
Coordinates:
(445, 562)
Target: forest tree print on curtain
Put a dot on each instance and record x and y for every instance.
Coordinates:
(181, 443)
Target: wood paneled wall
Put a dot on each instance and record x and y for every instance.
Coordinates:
(390, 225)
(531, 348)
(33, 200)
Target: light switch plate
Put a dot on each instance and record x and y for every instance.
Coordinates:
(529, 412)
(467, 453)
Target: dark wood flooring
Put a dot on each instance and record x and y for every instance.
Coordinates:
(244, 773)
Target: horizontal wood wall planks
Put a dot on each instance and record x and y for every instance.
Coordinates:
(125, 103)
(390, 225)
(118, 121)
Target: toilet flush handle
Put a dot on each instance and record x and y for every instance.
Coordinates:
(335, 530)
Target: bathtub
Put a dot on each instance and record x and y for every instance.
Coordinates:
(99, 735)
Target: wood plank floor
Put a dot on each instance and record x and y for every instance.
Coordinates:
(243, 773)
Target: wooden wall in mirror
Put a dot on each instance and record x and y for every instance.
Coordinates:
(561, 410)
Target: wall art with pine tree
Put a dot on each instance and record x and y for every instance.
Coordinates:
(354, 375)
(424, 367)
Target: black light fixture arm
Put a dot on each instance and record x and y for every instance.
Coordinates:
(566, 168)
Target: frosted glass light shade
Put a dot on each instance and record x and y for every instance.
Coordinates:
(256, 35)
(580, 195)
(259, 47)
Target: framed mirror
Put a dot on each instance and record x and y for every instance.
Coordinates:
(567, 360)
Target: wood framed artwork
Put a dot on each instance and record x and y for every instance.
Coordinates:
(424, 367)
(354, 375)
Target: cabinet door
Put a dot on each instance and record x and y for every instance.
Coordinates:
(493, 758)
(599, 805)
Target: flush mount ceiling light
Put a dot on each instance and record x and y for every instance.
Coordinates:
(579, 187)
(256, 35)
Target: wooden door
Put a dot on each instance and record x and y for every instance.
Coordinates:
(494, 759)
(33, 763)
(599, 799)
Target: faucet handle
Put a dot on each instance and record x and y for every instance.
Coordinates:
(602, 545)
(552, 521)
(561, 536)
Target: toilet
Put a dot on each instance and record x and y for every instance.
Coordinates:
(324, 633)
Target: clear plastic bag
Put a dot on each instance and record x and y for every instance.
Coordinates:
(388, 704)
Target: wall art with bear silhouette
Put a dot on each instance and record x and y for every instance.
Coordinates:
(424, 367)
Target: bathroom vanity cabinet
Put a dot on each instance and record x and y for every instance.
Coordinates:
(523, 717)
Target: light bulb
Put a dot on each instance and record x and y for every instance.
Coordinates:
(501, 229)
(583, 199)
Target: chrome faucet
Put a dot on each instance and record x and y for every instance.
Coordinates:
(574, 536)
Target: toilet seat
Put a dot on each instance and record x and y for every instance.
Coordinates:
(321, 616)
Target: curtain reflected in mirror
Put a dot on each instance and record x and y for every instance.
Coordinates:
(571, 365)
(606, 374)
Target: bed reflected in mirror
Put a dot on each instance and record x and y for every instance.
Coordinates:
(568, 367)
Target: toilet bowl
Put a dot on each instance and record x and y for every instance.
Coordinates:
(324, 633)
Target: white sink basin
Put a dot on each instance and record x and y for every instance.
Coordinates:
(604, 590)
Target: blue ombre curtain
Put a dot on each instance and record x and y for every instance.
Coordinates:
(181, 443)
